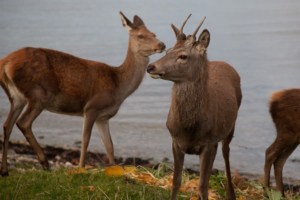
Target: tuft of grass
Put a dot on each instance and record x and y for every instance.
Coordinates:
(274, 195)
(217, 182)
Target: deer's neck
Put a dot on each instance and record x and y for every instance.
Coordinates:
(191, 100)
(131, 72)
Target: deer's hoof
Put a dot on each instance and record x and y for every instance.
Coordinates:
(4, 174)
(45, 165)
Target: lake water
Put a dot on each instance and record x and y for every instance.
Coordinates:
(261, 39)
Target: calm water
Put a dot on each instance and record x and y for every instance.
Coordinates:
(260, 38)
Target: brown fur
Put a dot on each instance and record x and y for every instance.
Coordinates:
(45, 79)
(285, 112)
(205, 100)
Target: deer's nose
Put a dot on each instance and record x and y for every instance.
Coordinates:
(150, 68)
(162, 46)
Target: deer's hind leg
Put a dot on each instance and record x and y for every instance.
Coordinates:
(17, 105)
(24, 123)
(272, 154)
(279, 163)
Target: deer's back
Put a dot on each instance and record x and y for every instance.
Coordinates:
(224, 79)
(225, 93)
(62, 82)
(285, 112)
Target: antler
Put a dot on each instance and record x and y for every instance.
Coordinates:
(197, 29)
(181, 29)
(179, 33)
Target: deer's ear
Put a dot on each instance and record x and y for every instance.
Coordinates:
(126, 22)
(203, 42)
(204, 38)
(137, 21)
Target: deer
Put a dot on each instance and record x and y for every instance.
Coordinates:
(205, 99)
(285, 112)
(45, 79)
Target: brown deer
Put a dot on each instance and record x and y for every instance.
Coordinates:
(205, 100)
(285, 112)
(45, 79)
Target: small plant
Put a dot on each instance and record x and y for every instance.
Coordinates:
(162, 169)
(274, 194)
(217, 183)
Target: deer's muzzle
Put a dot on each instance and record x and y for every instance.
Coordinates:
(161, 47)
(151, 69)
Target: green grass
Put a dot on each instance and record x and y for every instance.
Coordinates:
(58, 184)
(27, 182)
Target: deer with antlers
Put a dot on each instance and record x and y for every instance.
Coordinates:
(206, 96)
(45, 79)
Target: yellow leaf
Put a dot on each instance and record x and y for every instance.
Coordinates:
(76, 171)
(117, 170)
(190, 186)
(89, 188)
(129, 169)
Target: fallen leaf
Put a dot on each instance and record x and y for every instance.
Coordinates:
(90, 188)
(188, 186)
(129, 169)
(117, 170)
(76, 171)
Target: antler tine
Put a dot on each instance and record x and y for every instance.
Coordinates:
(181, 29)
(197, 29)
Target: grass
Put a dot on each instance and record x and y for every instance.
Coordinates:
(27, 182)
(58, 184)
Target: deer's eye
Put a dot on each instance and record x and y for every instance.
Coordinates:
(182, 57)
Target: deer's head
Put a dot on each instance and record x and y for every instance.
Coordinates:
(185, 59)
(142, 41)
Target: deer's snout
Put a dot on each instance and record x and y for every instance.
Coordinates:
(161, 47)
(150, 68)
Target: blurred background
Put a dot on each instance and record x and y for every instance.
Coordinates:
(261, 39)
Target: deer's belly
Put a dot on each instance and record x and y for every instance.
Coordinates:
(70, 108)
(73, 107)
(190, 149)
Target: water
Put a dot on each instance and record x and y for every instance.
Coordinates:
(261, 39)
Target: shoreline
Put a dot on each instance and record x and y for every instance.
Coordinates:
(20, 151)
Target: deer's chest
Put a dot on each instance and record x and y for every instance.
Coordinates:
(191, 138)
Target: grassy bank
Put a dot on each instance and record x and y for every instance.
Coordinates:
(60, 184)
(27, 182)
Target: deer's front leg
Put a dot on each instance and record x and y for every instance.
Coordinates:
(178, 165)
(207, 158)
(103, 127)
(89, 120)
